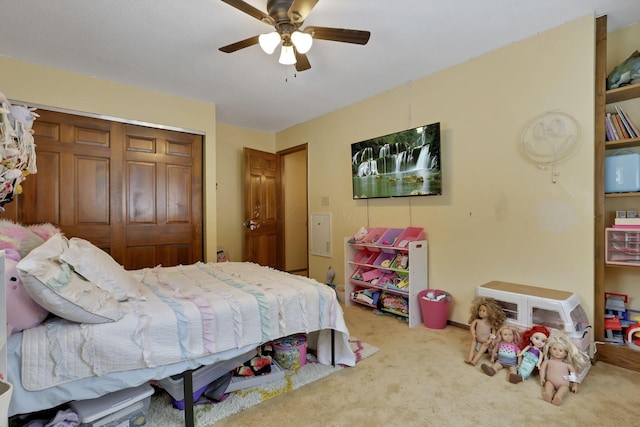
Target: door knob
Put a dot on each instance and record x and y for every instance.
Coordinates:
(251, 224)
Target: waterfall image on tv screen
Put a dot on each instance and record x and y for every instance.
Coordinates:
(400, 164)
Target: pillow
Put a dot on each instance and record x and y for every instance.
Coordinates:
(99, 267)
(56, 287)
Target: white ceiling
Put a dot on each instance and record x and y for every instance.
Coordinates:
(171, 46)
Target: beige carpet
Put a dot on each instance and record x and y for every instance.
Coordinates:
(419, 379)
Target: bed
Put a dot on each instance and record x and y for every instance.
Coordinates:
(115, 329)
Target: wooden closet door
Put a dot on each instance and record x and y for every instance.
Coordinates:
(162, 197)
(77, 180)
(135, 192)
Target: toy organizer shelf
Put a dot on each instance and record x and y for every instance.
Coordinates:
(387, 265)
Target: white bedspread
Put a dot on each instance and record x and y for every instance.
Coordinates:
(187, 312)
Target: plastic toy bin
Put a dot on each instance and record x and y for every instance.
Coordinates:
(389, 238)
(365, 257)
(374, 235)
(409, 235)
(622, 172)
(203, 376)
(434, 305)
(127, 407)
(291, 352)
(384, 256)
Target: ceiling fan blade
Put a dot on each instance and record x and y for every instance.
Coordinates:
(240, 45)
(250, 10)
(339, 34)
(302, 62)
(300, 9)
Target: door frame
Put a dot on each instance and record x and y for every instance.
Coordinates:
(283, 180)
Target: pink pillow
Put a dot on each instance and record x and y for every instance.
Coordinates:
(22, 311)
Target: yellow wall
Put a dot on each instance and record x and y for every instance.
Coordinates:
(229, 163)
(501, 217)
(68, 91)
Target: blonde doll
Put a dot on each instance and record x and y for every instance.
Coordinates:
(562, 362)
(486, 318)
(505, 351)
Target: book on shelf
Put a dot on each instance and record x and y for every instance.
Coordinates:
(612, 128)
(607, 131)
(622, 130)
(631, 129)
(616, 124)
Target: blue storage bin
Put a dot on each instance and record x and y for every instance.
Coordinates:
(622, 172)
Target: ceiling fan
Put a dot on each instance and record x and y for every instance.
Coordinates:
(287, 16)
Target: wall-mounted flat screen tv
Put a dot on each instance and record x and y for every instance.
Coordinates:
(405, 163)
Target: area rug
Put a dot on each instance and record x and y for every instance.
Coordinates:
(163, 414)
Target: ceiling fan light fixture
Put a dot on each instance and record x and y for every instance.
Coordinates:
(302, 41)
(287, 56)
(269, 42)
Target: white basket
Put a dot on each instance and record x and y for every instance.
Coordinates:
(5, 397)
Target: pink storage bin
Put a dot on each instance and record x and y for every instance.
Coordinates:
(374, 236)
(365, 256)
(409, 234)
(358, 243)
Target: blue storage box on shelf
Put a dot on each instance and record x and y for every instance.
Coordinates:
(622, 172)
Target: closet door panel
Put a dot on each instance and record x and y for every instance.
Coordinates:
(92, 190)
(164, 186)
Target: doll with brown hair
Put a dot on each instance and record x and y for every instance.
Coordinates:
(504, 353)
(530, 357)
(562, 362)
(486, 318)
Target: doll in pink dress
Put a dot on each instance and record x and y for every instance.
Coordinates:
(486, 318)
(505, 351)
(562, 362)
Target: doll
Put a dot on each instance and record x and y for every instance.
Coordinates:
(530, 357)
(486, 318)
(558, 373)
(505, 351)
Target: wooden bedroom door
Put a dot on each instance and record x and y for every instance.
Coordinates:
(261, 222)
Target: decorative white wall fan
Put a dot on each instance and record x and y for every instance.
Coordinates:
(550, 139)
